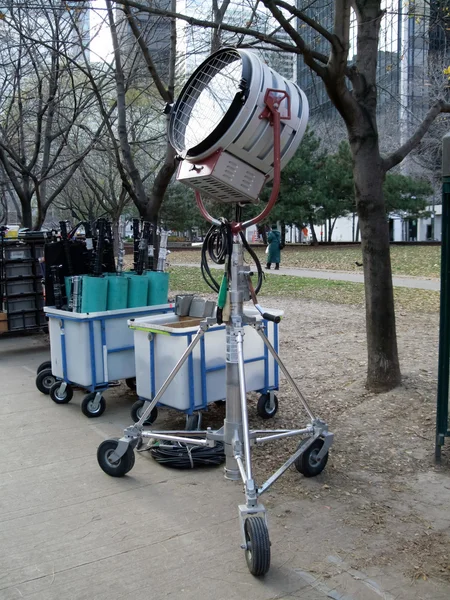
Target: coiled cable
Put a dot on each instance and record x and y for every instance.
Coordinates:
(185, 456)
(218, 245)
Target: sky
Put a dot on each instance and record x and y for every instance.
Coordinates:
(101, 46)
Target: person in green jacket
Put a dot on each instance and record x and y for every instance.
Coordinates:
(274, 254)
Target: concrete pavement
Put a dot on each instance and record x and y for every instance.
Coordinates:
(408, 282)
(70, 532)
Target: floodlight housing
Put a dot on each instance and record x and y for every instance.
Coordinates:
(221, 128)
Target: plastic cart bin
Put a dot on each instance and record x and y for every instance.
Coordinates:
(90, 350)
(161, 340)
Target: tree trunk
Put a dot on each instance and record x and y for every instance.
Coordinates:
(383, 371)
(283, 233)
(27, 213)
(313, 233)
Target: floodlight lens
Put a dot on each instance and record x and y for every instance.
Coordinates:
(207, 102)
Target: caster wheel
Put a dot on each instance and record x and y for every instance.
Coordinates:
(61, 397)
(192, 422)
(117, 468)
(45, 380)
(257, 553)
(43, 366)
(92, 408)
(308, 464)
(266, 408)
(137, 410)
(131, 383)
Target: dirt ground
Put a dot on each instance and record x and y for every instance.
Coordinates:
(384, 502)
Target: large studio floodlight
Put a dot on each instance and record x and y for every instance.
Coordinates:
(222, 128)
(234, 126)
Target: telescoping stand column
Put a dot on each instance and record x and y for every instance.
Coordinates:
(236, 85)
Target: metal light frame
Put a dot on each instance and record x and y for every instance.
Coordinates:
(236, 435)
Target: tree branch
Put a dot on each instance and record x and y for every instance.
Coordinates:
(396, 157)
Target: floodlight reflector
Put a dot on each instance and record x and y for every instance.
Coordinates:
(221, 113)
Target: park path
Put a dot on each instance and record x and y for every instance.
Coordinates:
(398, 281)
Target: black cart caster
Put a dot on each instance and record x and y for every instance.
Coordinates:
(61, 392)
(93, 405)
(131, 383)
(257, 551)
(308, 464)
(45, 365)
(117, 468)
(137, 410)
(45, 381)
(267, 406)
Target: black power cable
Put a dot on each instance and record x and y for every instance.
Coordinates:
(218, 245)
(184, 456)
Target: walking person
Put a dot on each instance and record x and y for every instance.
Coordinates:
(274, 253)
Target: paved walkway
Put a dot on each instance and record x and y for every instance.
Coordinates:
(408, 282)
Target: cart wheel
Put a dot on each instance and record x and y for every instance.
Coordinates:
(43, 366)
(192, 422)
(257, 553)
(137, 410)
(45, 380)
(117, 468)
(266, 408)
(61, 397)
(91, 408)
(131, 383)
(308, 464)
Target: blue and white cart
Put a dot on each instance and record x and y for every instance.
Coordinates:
(91, 350)
(161, 340)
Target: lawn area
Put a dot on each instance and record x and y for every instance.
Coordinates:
(415, 261)
(189, 279)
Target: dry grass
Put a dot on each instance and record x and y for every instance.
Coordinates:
(189, 279)
(413, 261)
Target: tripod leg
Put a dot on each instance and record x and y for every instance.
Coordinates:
(250, 489)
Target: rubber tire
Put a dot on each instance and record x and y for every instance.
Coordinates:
(192, 422)
(257, 553)
(61, 399)
(47, 364)
(261, 407)
(131, 383)
(45, 380)
(122, 467)
(137, 408)
(305, 463)
(87, 412)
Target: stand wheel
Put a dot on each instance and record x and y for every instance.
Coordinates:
(267, 408)
(92, 408)
(61, 397)
(257, 553)
(45, 380)
(43, 366)
(117, 468)
(137, 410)
(308, 464)
(131, 383)
(192, 422)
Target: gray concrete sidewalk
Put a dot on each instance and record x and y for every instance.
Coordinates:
(408, 282)
(70, 532)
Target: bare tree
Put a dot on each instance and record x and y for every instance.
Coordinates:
(44, 99)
